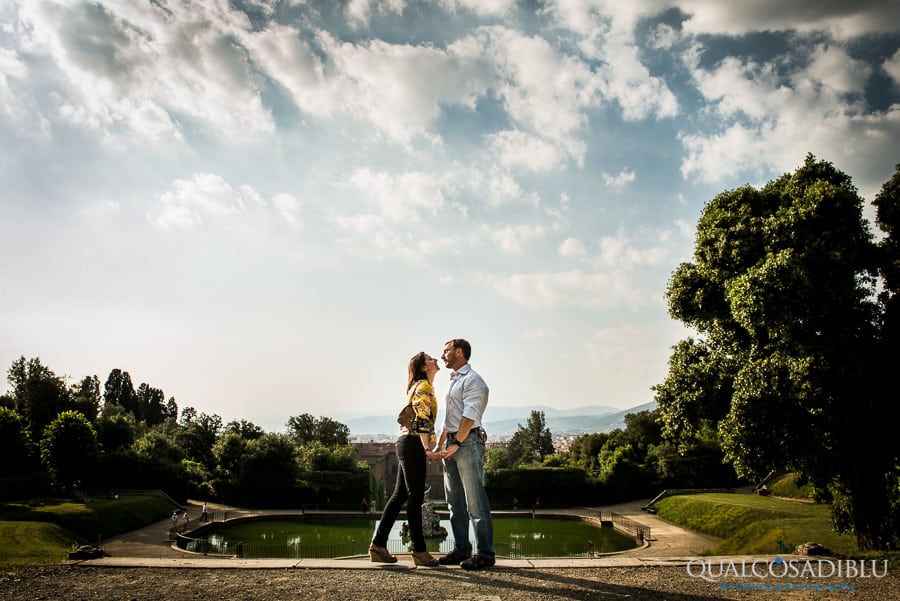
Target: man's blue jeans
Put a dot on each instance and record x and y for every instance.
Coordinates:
(467, 499)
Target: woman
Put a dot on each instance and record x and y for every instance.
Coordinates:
(413, 451)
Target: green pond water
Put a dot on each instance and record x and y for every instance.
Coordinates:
(339, 537)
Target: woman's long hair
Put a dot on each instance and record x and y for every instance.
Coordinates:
(416, 369)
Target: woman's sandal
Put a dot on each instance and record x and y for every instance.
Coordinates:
(381, 554)
(424, 558)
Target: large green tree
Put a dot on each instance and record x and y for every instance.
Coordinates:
(116, 429)
(267, 473)
(197, 435)
(69, 449)
(119, 390)
(584, 451)
(15, 443)
(151, 405)
(305, 428)
(532, 442)
(38, 394)
(245, 428)
(787, 364)
(86, 397)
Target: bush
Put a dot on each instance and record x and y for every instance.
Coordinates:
(553, 486)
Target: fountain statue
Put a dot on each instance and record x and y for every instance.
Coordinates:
(431, 523)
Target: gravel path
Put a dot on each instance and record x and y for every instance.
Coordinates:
(640, 584)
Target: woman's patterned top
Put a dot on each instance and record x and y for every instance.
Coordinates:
(424, 403)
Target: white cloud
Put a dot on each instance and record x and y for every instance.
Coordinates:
(606, 28)
(398, 88)
(543, 90)
(620, 251)
(383, 243)
(565, 290)
(251, 196)
(584, 16)
(360, 224)
(620, 181)
(291, 60)
(402, 197)
(487, 8)
(514, 148)
(724, 155)
(206, 191)
(433, 245)
(512, 239)
(502, 188)
(358, 13)
(891, 66)
(178, 217)
(128, 68)
(289, 208)
(835, 71)
(770, 119)
(396, 246)
(572, 247)
(841, 19)
(17, 99)
(206, 198)
(629, 83)
(11, 67)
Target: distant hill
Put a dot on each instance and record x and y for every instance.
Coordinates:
(504, 420)
(568, 422)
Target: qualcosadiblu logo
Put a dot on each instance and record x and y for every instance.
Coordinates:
(712, 570)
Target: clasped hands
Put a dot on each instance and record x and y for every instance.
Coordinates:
(436, 454)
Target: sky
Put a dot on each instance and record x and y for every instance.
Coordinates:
(265, 208)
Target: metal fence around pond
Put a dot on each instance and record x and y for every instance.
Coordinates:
(289, 550)
(512, 550)
(640, 532)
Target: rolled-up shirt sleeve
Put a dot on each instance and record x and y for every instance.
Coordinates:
(475, 397)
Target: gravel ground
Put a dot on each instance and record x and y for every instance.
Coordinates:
(67, 582)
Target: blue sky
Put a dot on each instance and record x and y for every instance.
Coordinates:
(265, 208)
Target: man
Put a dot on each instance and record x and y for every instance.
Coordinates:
(464, 441)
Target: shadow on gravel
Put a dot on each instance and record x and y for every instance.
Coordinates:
(542, 585)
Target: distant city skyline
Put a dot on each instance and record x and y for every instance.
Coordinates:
(265, 208)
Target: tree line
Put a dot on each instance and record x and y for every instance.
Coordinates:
(604, 467)
(54, 436)
(80, 437)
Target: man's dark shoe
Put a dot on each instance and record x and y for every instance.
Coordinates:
(452, 559)
(477, 562)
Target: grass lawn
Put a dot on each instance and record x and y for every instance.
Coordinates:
(44, 531)
(33, 542)
(788, 486)
(752, 524)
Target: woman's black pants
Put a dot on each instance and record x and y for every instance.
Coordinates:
(410, 489)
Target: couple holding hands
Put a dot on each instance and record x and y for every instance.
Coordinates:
(461, 448)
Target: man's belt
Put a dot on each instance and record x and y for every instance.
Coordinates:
(451, 436)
